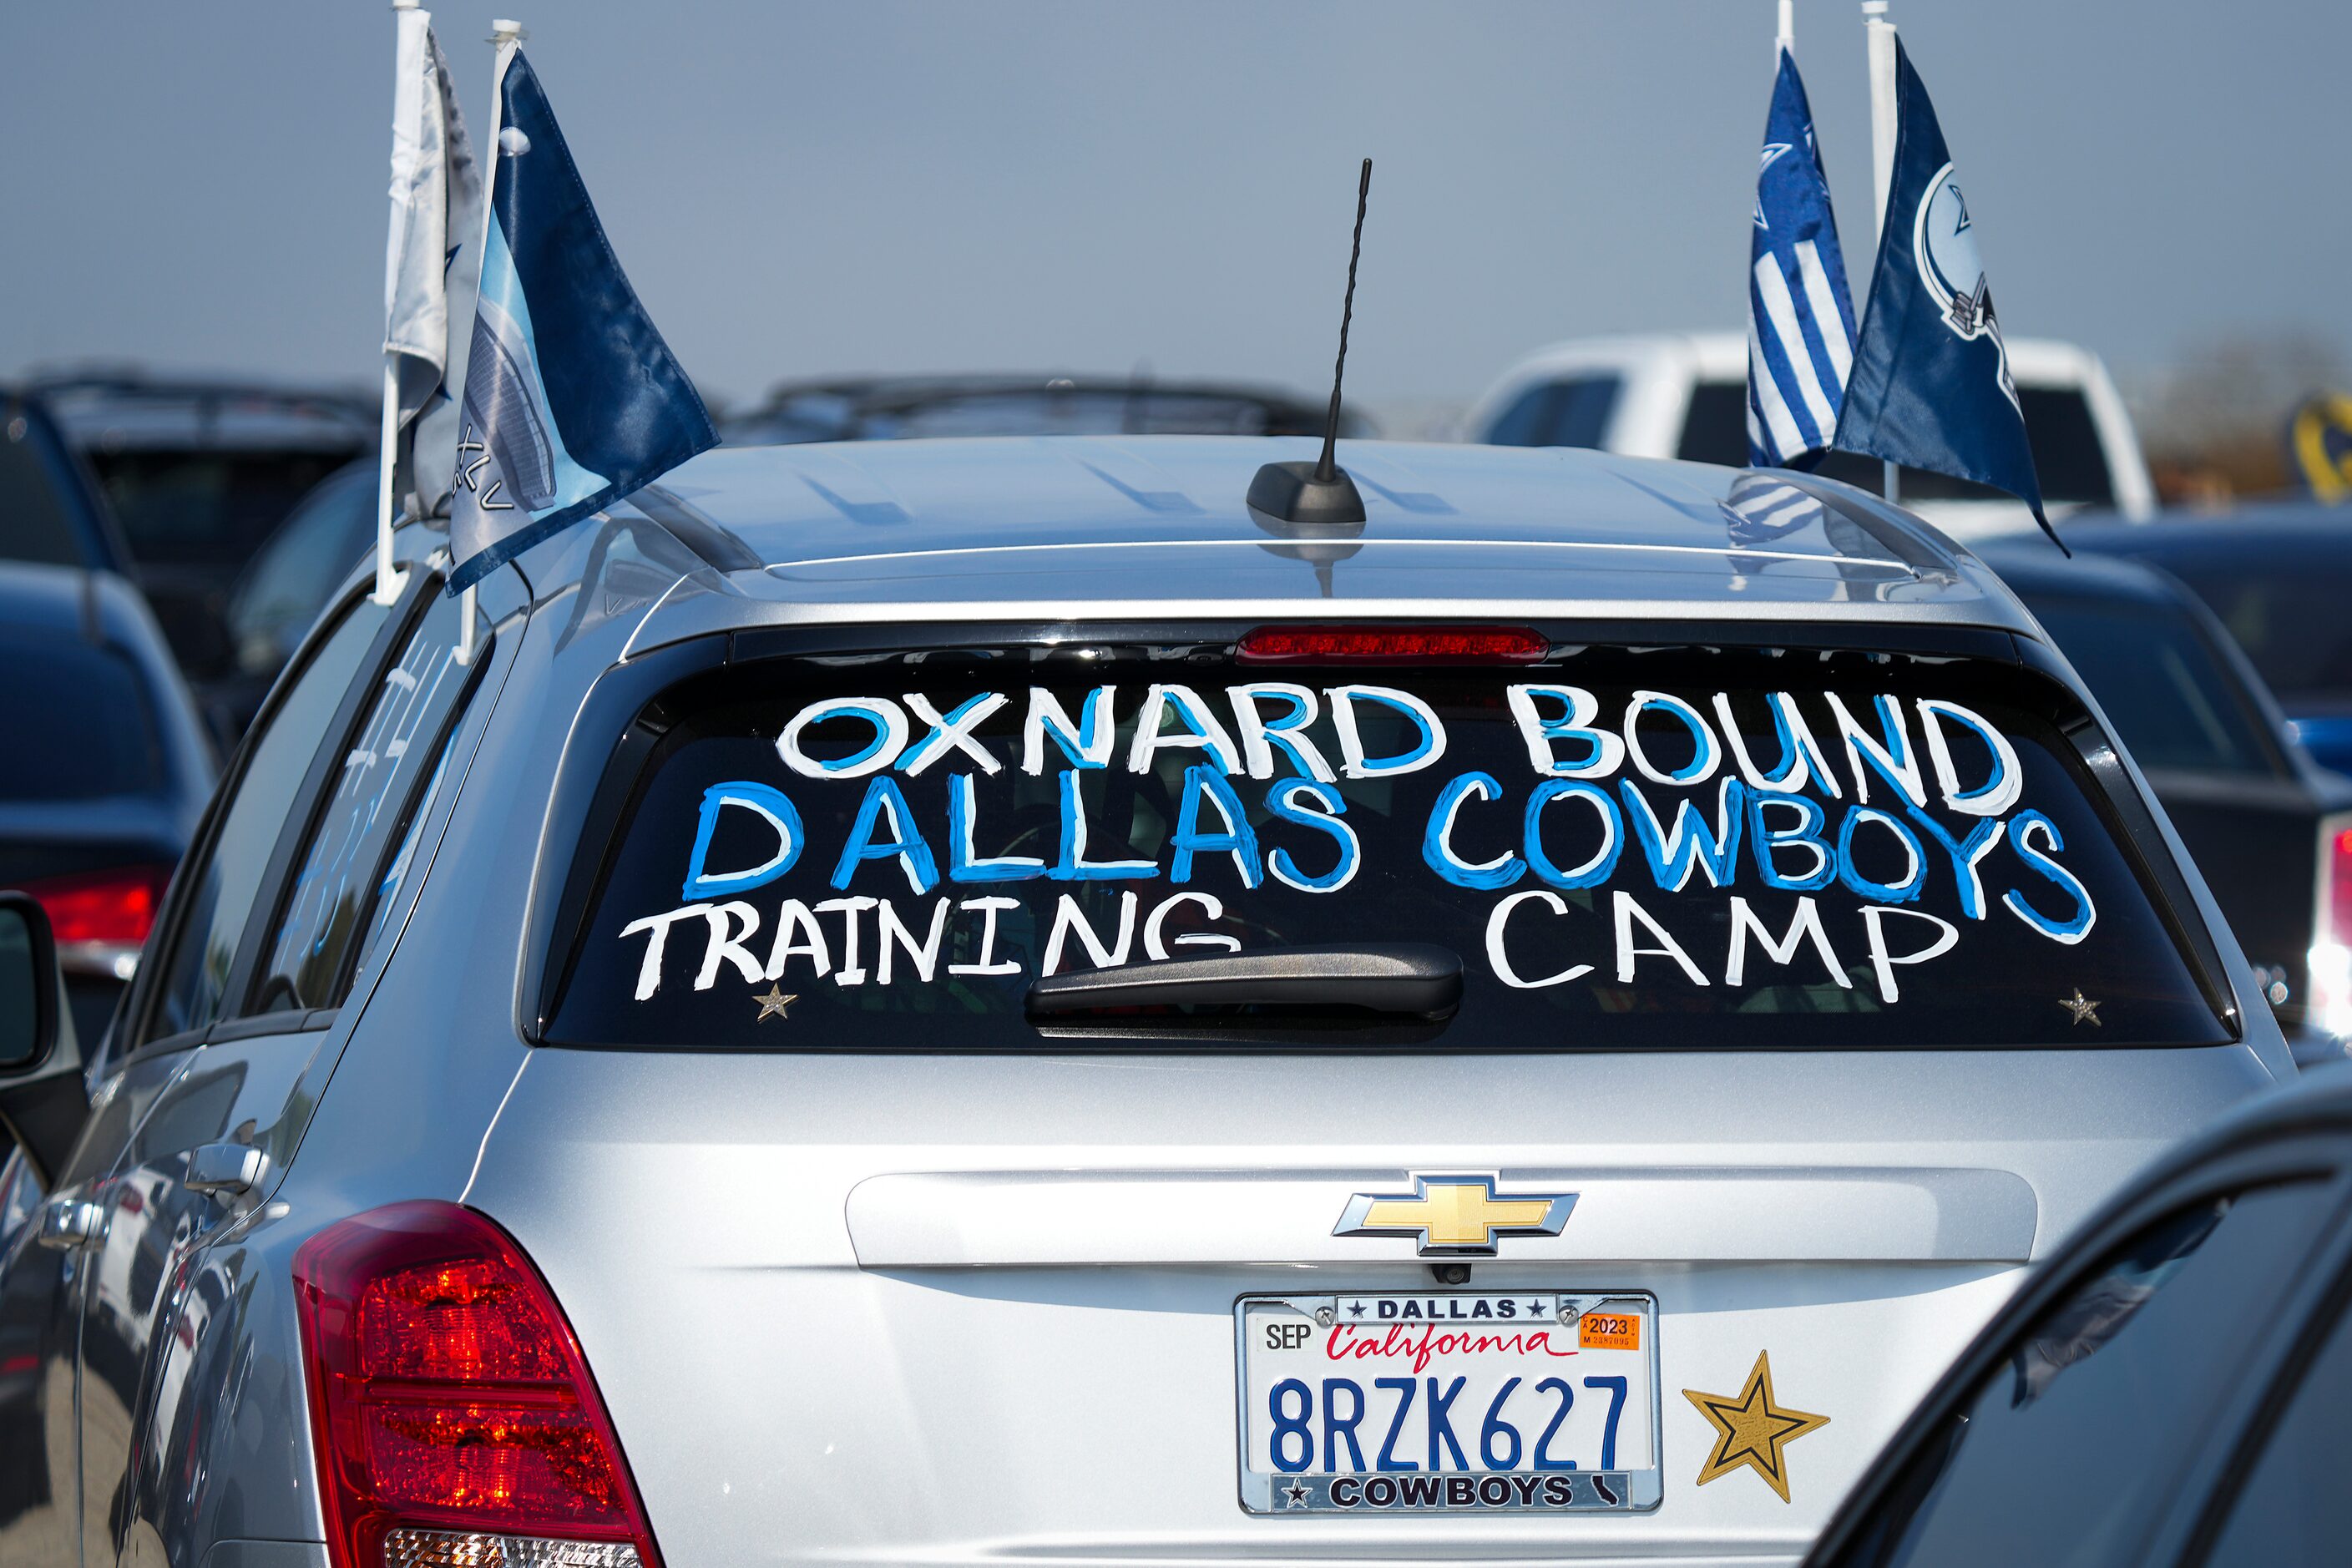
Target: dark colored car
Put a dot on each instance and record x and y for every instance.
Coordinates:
(50, 511)
(2167, 1388)
(2279, 577)
(106, 769)
(885, 408)
(285, 589)
(2258, 815)
(199, 474)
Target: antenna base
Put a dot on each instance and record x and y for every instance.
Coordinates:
(1292, 492)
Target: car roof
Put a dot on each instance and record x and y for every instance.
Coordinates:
(125, 410)
(45, 603)
(1109, 528)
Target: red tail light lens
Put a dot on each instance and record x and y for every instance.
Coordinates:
(1392, 645)
(2331, 937)
(454, 1414)
(101, 919)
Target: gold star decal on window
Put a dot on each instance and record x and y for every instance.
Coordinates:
(2082, 1007)
(1751, 1429)
(775, 1002)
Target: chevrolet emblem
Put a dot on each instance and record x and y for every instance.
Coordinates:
(1455, 1216)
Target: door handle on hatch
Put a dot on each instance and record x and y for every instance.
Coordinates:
(225, 1168)
(71, 1222)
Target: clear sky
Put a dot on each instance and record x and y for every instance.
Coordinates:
(803, 189)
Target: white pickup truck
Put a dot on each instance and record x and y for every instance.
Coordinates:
(1684, 396)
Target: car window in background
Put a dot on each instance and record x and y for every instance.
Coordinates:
(1573, 412)
(183, 508)
(2068, 461)
(2294, 1508)
(195, 971)
(292, 578)
(2073, 1443)
(2291, 622)
(35, 523)
(2159, 682)
(2067, 457)
(795, 825)
(343, 867)
(78, 722)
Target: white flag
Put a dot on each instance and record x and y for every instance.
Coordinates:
(432, 262)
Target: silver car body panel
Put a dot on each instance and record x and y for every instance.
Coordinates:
(863, 1308)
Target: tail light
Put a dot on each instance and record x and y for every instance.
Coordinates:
(1392, 645)
(453, 1415)
(2331, 929)
(101, 919)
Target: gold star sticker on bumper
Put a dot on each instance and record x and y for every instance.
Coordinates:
(1751, 1428)
(775, 1002)
(2082, 1007)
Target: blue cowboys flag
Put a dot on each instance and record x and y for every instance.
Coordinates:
(1800, 316)
(572, 400)
(1931, 385)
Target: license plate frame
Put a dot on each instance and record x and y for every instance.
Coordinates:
(1630, 1486)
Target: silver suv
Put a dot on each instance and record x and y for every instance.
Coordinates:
(984, 1002)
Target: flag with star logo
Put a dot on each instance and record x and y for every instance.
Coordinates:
(1931, 385)
(1800, 314)
(572, 399)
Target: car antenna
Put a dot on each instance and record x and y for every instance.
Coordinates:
(1320, 491)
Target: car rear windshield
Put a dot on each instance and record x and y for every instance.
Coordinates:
(2161, 683)
(2287, 613)
(204, 509)
(78, 722)
(1670, 848)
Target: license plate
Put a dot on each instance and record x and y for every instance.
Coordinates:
(1454, 1402)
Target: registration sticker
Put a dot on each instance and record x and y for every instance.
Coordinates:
(1452, 1402)
(1609, 1331)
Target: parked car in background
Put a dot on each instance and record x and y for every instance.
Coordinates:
(1685, 395)
(1710, 970)
(2169, 1388)
(894, 407)
(199, 473)
(50, 509)
(288, 584)
(104, 770)
(2260, 818)
(2279, 576)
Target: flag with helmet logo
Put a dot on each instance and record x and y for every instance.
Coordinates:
(573, 400)
(1931, 385)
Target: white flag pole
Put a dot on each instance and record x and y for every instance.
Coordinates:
(1788, 35)
(505, 34)
(1880, 33)
(388, 581)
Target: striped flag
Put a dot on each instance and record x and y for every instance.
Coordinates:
(1800, 318)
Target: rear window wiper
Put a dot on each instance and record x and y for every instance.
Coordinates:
(1417, 979)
